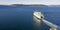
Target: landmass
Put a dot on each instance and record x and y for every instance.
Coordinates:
(28, 5)
(54, 5)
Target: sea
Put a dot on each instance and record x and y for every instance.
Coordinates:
(22, 18)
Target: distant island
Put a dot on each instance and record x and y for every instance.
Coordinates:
(28, 5)
(14, 5)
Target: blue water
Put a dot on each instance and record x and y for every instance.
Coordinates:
(21, 17)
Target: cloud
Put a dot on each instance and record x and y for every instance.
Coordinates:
(7, 2)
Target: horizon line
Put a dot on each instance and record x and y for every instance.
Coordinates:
(31, 4)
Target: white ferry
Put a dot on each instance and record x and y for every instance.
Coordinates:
(38, 15)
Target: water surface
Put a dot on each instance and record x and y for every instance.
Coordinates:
(21, 17)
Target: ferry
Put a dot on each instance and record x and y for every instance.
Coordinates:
(38, 14)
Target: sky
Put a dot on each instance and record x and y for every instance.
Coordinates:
(47, 2)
